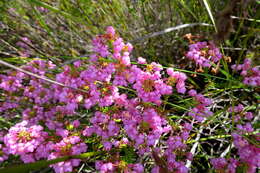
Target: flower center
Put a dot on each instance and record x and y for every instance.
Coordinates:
(125, 48)
(24, 136)
(144, 126)
(42, 94)
(120, 67)
(148, 85)
(149, 68)
(66, 149)
(86, 87)
(171, 81)
(32, 114)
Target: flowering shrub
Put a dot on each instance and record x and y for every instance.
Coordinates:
(125, 103)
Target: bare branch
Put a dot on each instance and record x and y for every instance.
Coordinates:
(169, 30)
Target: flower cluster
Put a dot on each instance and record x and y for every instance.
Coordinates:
(251, 75)
(200, 111)
(222, 164)
(24, 141)
(144, 128)
(69, 145)
(174, 156)
(103, 127)
(243, 138)
(204, 53)
(123, 106)
(150, 87)
(109, 167)
(178, 78)
(24, 45)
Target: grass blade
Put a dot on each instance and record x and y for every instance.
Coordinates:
(210, 13)
(56, 10)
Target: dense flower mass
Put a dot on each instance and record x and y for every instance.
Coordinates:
(107, 167)
(200, 112)
(150, 87)
(222, 164)
(24, 141)
(204, 53)
(121, 109)
(69, 145)
(249, 153)
(251, 75)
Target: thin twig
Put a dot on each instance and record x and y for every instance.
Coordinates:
(242, 18)
(80, 169)
(227, 150)
(194, 147)
(237, 48)
(6, 53)
(169, 30)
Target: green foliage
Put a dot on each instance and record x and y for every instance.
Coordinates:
(128, 154)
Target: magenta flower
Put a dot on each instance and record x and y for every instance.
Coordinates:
(150, 87)
(200, 111)
(204, 53)
(22, 140)
(69, 145)
(250, 74)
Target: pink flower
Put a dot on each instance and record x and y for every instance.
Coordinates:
(150, 87)
(178, 78)
(22, 140)
(141, 60)
(110, 30)
(200, 111)
(70, 145)
(250, 74)
(204, 53)
(218, 163)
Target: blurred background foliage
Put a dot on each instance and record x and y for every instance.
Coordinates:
(63, 29)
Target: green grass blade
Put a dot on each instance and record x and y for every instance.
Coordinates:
(53, 9)
(210, 13)
(56, 10)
